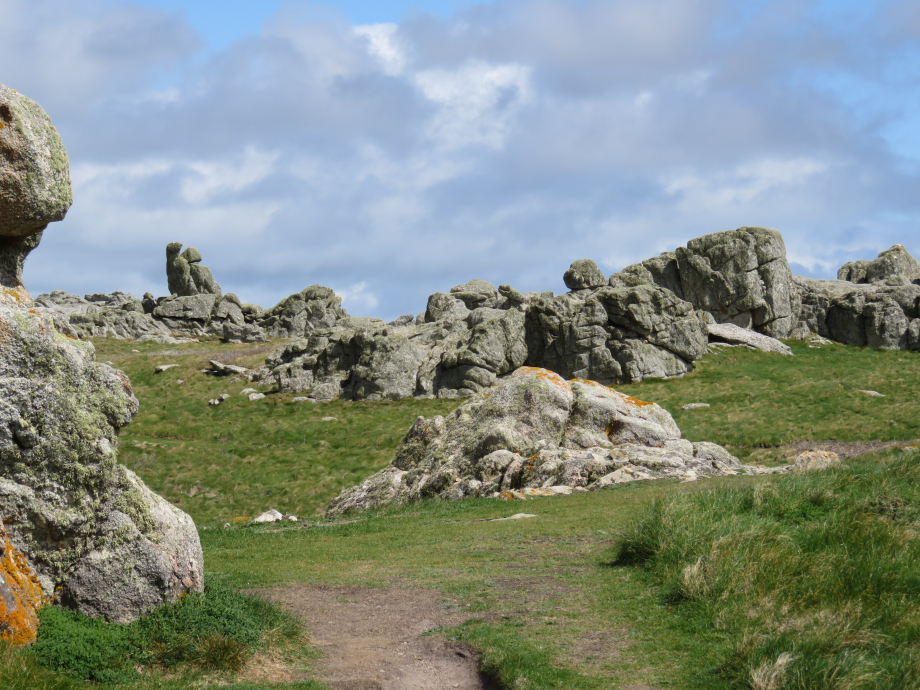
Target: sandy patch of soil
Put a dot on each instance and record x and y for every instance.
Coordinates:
(373, 638)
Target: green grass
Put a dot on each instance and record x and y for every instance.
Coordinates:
(814, 578)
(218, 630)
(761, 401)
(572, 599)
(241, 458)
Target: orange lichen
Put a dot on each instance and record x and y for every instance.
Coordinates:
(21, 596)
(544, 375)
(240, 519)
(626, 398)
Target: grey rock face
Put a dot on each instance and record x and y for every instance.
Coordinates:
(583, 274)
(615, 335)
(34, 185)
(895, 265)
(475, 334)
(730, 333)
(116, 315)
(876, 314)
(738, 276)
(534, 430)
(98, 539)
(185, 275)
(298, 315)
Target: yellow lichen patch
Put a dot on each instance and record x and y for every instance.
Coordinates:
(240, 519)
(633, 401)
(626, 398)
(544, 375)
(17, 295)
(21, 596)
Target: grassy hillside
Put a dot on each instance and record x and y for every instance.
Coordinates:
(728, 583)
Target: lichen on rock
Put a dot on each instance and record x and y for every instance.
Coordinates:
(534, 430)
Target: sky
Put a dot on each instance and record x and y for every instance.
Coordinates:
(391, 150)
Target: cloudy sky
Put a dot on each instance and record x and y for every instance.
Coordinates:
(392, 149)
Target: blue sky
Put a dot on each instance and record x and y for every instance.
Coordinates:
(221, 23)
(392, 150)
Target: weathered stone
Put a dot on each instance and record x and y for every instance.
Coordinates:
(738, 276)
(298, 315)
(192, 255)
(159, 369)
(535, 431)
(204, 281)
(221, 369)
(245, 333)
(96, 538)
(442, 307)
(730, 333)
(615, 335)
(21, 595)
(583, 274)
(178, 272)
(895, 266)
(876, 315)
(34, 185)
(811, 460)
(269, 516)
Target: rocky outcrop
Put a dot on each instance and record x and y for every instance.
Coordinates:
(535, 432)
(895, 264)
(185, 274)
(79, 525)
(117, 315)
(877, 308)
(298, 315)
(738, 276)
(34, 186)
(615, 335)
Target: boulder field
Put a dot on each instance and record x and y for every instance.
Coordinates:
(651, 319)
(532, 434)
(78, 529)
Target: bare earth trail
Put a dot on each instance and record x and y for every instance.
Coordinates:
(373, 638)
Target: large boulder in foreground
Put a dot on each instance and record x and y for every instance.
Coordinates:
(79, 529)
(95, 537)
(535, 430)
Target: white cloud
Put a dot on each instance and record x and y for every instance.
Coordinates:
(477, 102)
(383, 44)
(212, 177)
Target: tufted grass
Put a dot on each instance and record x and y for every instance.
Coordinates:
(813, 578)
(599, 590)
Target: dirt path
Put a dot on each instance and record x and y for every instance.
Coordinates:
(373, 639)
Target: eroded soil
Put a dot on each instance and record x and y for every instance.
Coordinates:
(374, 638)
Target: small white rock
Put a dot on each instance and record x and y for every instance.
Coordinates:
(329, 419)
(291, 518)
(224, 396)
(874, 394)
(247, 391)
(256, 396)
(135, 350)
(516, 516)
(163, 367)
(269, 516)
(214, 401)
(301, 399)
(694, 406)
(178, 380)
